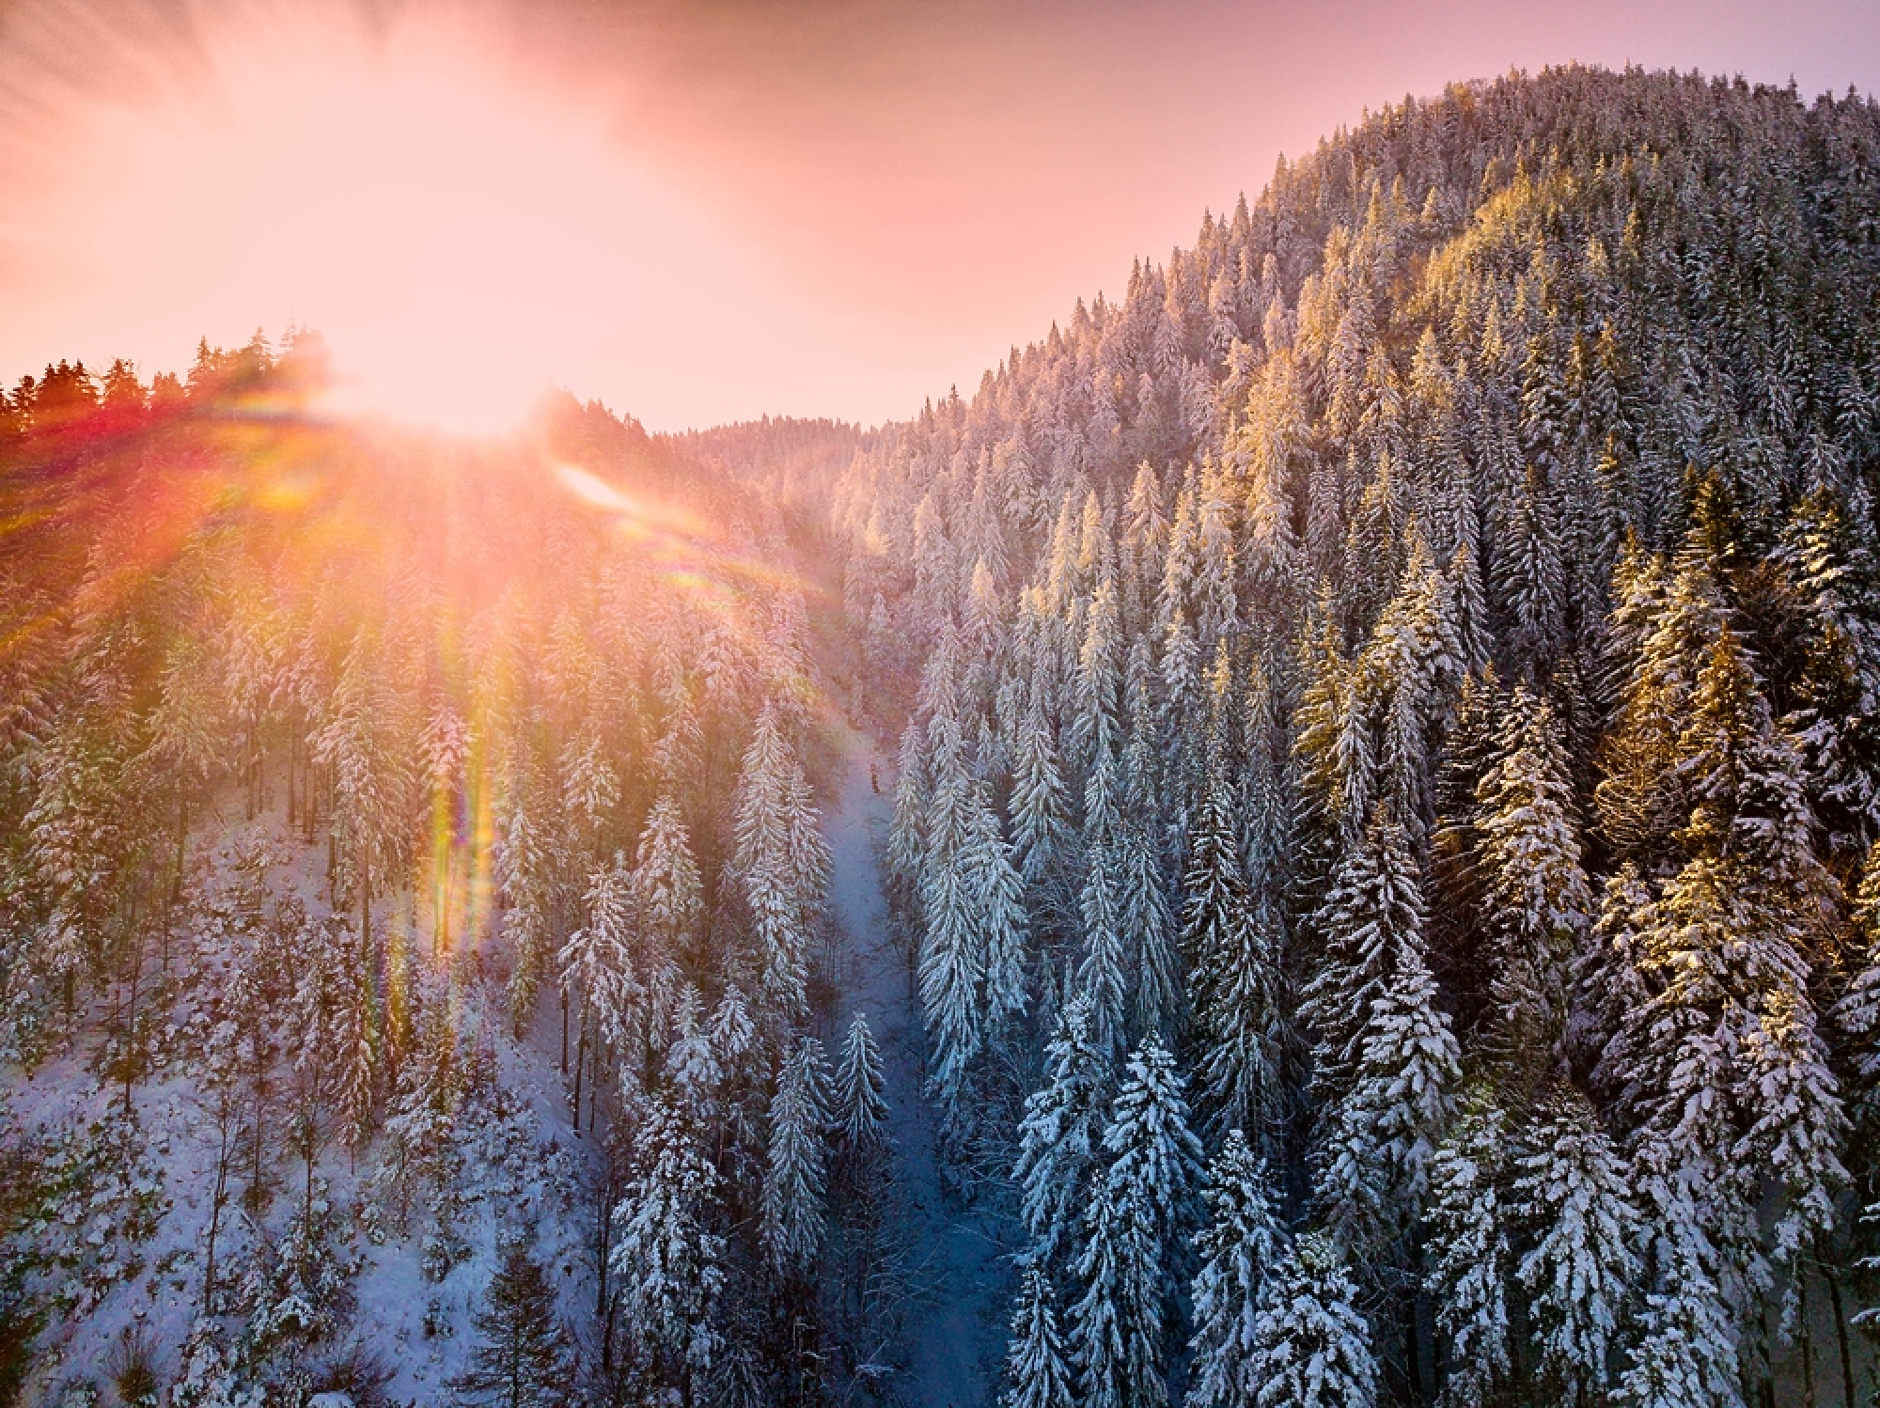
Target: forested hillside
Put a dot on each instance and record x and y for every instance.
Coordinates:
(1390, 783)
(411, 928)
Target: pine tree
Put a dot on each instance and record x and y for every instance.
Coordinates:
(1311, 1346)
(1036, 1374)
(952, 954)
(1687, 1349)
(1581, 1269)
(1230, 948)
(692, 1065)
(781, 863)
(861, 1104)
(666, 885)
(1537, 899)
(1836, 597)
(1473, 1263)
(794, 1179)
(1141, 1205)
(907, 836)
(1857, 1017)
(1530, 583)
(522, 1360)
(1097, 706)
(1149, 930)
(1372, 913)
(1397, 1107)
(356, 1072)
(1040, 800)
(998, 891)
(1662, 623)
(208, 1379)
(1101, 977)
(1240, 1245)
(526, 871)
(666, 1259)
(1058, 1135)
(1735, 1070)
(372, 811)
(1610, 987)
(597, 967)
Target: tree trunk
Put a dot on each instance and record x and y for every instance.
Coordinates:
(217, 1200)
(1413, 1350)
(130, 1019)
(440, 929)
(182, 857)
(1804, 1341)
(1840, 1330)
(580, 1059)
(254, 1171)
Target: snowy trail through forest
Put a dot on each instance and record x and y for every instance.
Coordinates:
(953, 1328)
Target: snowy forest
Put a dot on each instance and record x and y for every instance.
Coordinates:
(1314, 844)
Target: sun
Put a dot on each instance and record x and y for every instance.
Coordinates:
(465, 234)
(453, 230)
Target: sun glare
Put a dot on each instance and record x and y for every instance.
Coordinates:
(463, 236)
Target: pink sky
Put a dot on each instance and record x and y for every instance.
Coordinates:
(702, 212)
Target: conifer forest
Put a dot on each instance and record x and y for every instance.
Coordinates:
(1314, 842)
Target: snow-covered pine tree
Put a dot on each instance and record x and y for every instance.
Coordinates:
(1372, 913)
(1140, 1211)
(1572, 1186)
(781, 864)
(1835, 587)
(1036, 1373)
(355, 1072)
(1735, 1072)
(861, 1106)
(1389, 1121)
(1472, 1266)
(1311, 1345)
(952, 954)
(1239, 1246)
(525, 869)
(795, 1177)
(1687, 1347)
(1857, 1017)
(1101, 978)
(998, 891)
(1059, 1133)
(907, 835)
(1610, 985)
(1149, 931)
(1096, 717)
(667, 1260)
(1236, 982)
(1529, 583)
(669, 898)
(597, 971)
(1535, 892)
(1040, 802)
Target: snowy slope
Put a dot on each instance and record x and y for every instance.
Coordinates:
(141, 1275)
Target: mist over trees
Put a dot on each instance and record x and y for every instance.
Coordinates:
(1380, 831)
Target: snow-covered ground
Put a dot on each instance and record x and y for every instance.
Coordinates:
(520, 1167)
(956, 1256)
